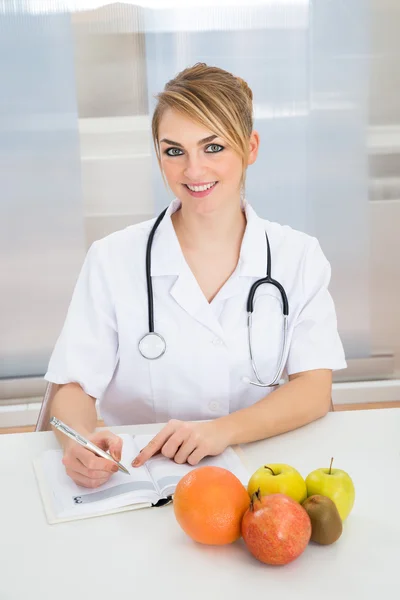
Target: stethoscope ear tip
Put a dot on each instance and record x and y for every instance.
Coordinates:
(246, 379)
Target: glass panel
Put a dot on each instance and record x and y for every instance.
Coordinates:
(310, 89)
(41, 227)
(78, 81)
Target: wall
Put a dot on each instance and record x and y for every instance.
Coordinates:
(115, 187)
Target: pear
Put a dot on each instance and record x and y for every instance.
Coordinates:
(326, 523)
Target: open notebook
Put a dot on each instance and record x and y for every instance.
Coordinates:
(145, 486)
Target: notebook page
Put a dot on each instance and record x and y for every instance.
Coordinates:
(166, 473)
(70, 499)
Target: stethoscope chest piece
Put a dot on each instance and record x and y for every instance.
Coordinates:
(152, 346)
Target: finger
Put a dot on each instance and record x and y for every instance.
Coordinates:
(75, 466)
(116, 448)
(94, 462)
(106, 440)
(196, 456)
(186, 449)
(83, 461)
(87, 481)
(156, 443)
(175, 441)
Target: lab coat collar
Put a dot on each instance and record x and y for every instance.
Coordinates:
(253, 252)
(167, 257)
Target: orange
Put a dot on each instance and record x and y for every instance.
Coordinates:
(209, 503)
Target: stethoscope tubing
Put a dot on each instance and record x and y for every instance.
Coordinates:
(157, 342)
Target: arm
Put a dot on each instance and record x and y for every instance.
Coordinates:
(76, 408)
(86, 351)
(315, 350)
(87, 347)
(303, 399)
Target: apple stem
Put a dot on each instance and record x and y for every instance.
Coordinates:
(330, 466)
(269, 468)
(256, 495)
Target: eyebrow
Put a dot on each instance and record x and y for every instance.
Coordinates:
(178, 145)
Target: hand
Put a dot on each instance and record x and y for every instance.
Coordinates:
(87, 469)
(186, 442)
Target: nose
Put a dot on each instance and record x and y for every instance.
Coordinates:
(195, 168)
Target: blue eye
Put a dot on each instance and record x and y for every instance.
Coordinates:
(211, 149)
(215, 148)
(171, 152)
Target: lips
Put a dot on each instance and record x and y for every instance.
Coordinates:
(201, 193)
(200, 187)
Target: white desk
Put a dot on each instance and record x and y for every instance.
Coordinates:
(144, 554)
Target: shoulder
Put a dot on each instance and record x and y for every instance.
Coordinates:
(286, 239)
(128, 242)
(299, 255)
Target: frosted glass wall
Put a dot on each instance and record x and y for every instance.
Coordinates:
(307, 66)
(77, 86)
(41, 228)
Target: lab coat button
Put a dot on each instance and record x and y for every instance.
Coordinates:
(213, 405)
(217, 341)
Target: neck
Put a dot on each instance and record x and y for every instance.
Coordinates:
(211, 231)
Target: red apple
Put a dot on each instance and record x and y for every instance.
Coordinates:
(276, 529)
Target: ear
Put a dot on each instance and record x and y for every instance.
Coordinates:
(254, 144)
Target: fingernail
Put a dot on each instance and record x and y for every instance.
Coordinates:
(115, 454)
(136, 462)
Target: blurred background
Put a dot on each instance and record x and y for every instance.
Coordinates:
(77, 86)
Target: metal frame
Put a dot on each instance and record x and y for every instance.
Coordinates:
(43, 421)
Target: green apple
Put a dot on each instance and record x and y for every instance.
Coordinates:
(278, 479)
(336, 485)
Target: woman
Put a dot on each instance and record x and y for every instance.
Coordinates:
(207, 251)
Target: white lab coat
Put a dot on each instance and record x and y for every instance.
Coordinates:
(202, 374)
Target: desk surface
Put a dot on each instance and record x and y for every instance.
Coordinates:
(145, 553)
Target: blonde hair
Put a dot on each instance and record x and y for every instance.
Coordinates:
(213, 98)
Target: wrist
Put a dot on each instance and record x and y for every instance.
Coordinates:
(226, 430)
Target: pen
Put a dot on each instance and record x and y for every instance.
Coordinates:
(74, 435)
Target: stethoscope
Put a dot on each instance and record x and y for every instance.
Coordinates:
(152, 345)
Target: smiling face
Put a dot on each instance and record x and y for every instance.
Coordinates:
(200, 167)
